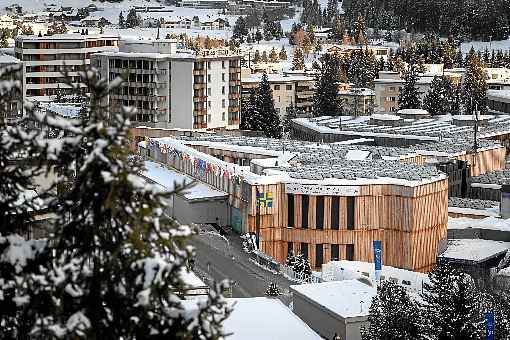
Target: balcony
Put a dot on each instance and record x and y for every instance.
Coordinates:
(199, 86)
(198, 99)
(199, 72)
(234, 96)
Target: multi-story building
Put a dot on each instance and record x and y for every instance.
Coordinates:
(11, 68)
(288, 90)
(346, 50)
(45, 58)
(357, 101)
(173, 88)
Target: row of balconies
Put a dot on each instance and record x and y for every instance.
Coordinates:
(137, 70)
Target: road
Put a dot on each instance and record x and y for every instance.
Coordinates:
(220, 262)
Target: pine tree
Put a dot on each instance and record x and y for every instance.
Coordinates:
(273, 56)
(287, 121)
(264, 58)
(450, 306)
(393, 315)
(121, 20)
(259, 113)
(256, 57)
(273, 290)
(325, 99)
(283, 54)
(240, 29)
(116, 270)
(360, 36)
(474, 86)
(132, 19)
(440, 97)
(298, 59)
(331, 11)
(3, 40)
(57, 27)
(258, 36)
(302, 266)
(409, 97)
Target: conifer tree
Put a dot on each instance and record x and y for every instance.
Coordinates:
(298, 59)
(273, 56)
(117, 265)
(450, 304)
(256, 57)
(409, 97)
(287, 121)
(474, 86)
(264, 58)
(360, 35)
(273, 290)
(240, 29)
(331, 11)
(132, 19)
(325, 99)
(302, 266)
(259, 113)
(258, 36)
(440, 98)
(283, 54)
(393, 315)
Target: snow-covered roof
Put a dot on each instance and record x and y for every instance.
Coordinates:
(348, 299)
(474, 250)
(413, 112)
(349, 270)
(168, 178)
(67, 111)
(275, 78)
(489, 223)
(67, 36)
(467, 206)
(8, 59)
(261, 318)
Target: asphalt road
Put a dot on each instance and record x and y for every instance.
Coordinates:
(219, 262)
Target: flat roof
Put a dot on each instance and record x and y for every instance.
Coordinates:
(67, 36)
(261, 318)
(488, 223)
(168, 179)
(474, 250)
(348, 298)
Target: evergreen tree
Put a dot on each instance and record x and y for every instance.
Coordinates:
(268, 35)
(57, 27)
(474, 86)
(393, 315)
(273, 56)
(331, 11)
(440, 98)
(287, 121)
(302, 266)
(450, 306)
(273, 290)
(240, 29)
(264, 58)
(117, 261)
(121, 20)
(132, 19)
(409, 97)
(360, 36)
(338, 28)
(283, 54)
(325, 99)
(256, 57)
(259, 113)
(258, 36)
(298, 59)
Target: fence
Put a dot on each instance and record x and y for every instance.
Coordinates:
(289, 273)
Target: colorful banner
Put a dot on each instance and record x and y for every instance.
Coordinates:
(265, 199)
(377, 259)
(489, 326)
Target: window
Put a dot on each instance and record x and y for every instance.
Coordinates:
(223, 90)
(304, 211)
(209, 78)
(319, 212)
(277, 87)
(319, 255)
(290, 248)
(223, 103)
(349, 252)
(209, 104)
(208, 91)
(209, 65)
(209, 118)
(406, 282)
(350, 213)
(290, 210)
(335, 252)
(335, 212)
(223, 116)
(304, 249)
(289, 87)
(223, 77)
(223, 64)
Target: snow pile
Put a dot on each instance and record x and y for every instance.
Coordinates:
(19, 251)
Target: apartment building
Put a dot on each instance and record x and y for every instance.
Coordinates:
(46, 57)
(288, 90)
(11, 110)
(174, 88)
(357, 101)
(346, 50)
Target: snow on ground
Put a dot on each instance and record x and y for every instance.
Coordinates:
(261, 318)
(503, 45)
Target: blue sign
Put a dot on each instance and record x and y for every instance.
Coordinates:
(377, 259)
(489, 326)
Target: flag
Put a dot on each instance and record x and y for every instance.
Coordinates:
(489, 326)
(265, 199)
(377, 259)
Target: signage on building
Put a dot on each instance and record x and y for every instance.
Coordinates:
(265, 199)
(489, 326)
(377, 259)
(321, 190)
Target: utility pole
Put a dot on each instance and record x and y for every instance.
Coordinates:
(476, 117)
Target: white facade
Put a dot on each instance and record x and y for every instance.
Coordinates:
(173, 88)
(46, 57)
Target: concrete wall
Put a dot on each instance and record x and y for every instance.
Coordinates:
(181, 95)
(188, 212)
(216, 98)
